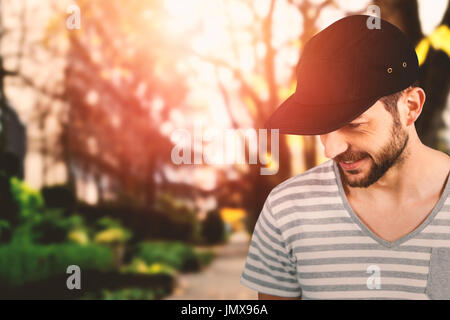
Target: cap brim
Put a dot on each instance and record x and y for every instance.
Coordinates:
(292, 117)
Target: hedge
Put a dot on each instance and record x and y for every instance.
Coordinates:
(21, 263)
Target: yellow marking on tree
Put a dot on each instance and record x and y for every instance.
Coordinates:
(422, 50)
(439, 40)
(233, 216)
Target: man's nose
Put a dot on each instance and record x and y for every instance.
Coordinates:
(334, 144)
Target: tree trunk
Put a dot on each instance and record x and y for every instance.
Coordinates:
(263, 184)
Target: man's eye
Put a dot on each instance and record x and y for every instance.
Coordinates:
(354, 125)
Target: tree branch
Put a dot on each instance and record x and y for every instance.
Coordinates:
(236, 72)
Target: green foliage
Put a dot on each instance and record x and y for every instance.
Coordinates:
(205, 257)
(5, 231)
(107, 223)
(9, 209)
(180, 223)
(111, 231)
(28, 209)
(58, 196)
(30, 201)
(37, 223)
(139, 266)
(213, 228)
(51, 226)
(80, 236)
(22, 263)
(175, 254)
(54, 227)
(130, 294)
(4, 225)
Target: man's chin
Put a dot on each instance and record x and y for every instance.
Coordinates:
(353, 181)
(357, 178)
(358, 183)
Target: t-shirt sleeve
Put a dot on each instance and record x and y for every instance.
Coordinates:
(269, 267)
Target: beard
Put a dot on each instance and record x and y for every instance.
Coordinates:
(389, 155)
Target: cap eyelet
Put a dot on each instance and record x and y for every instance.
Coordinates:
(389, 70)
(404, 64)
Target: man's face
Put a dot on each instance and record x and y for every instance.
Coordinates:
(373, 142)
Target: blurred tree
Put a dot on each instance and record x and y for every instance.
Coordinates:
(434, 58)
(24, 53)
(121, 68)
(3, 99)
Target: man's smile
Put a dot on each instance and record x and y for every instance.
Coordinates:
(351, 165)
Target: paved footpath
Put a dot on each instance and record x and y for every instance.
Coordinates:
(220, 280)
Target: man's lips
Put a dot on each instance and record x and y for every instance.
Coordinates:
(352, 165)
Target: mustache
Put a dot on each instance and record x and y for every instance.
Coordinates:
(351, 156)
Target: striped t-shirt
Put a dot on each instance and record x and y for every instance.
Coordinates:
(308, 242)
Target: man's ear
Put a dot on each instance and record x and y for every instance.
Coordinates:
(414, 100)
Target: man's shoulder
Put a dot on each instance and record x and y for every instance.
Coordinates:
(318, 175)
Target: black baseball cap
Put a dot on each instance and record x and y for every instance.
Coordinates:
(343, 71)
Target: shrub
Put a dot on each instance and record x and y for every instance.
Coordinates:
(175, 254)
(30, 201)
(131, 294)
(48, 227)
(174, 220)
(139, 266)
(111, 236)
(37, 223)
(107, 222)
(58, 196)
(54, 227)
(78, 236)
(22, 263)
(205, 257)
(51, 228)
(9, 209)
(213, 228)
(111, 232)
(5, 231)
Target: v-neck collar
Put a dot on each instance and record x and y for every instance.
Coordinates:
(369, 232)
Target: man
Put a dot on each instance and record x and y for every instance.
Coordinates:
(373, 222)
